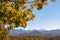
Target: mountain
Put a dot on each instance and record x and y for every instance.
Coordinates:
(16, 32)
(44, 33)
(33, 33)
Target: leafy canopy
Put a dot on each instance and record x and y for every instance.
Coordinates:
(17, 12)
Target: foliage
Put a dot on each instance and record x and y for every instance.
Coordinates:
(29, 38)
(17, 13)
(14, 15)
(35, 38)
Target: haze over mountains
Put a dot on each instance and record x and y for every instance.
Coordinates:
(43, 33)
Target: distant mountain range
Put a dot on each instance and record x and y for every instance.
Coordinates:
(44, 33)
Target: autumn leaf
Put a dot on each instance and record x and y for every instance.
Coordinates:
(53, 0)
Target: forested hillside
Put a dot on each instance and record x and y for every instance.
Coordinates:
(34, 38)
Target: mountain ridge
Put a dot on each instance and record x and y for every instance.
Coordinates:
(44, 33)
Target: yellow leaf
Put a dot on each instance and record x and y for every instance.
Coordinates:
(32, 5)
(53, 0)
(1, 22)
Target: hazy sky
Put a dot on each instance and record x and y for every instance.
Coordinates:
(48, 18)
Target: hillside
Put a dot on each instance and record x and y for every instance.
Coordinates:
(20, 34)
(34, 38)
(44, 33)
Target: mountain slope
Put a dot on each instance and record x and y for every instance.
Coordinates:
(21, 32)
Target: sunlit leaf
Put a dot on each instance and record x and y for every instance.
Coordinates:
(53, 0)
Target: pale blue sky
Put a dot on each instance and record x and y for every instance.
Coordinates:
(48, 18)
